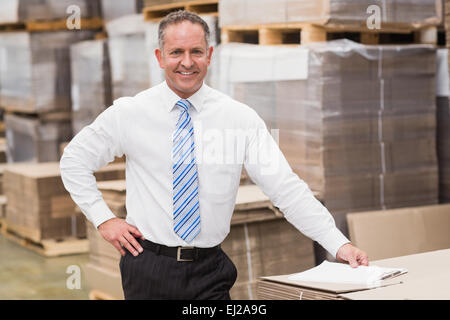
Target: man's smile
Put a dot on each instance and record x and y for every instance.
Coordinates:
(185, 73)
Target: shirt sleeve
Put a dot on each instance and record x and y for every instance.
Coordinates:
(268, 168)
(91, 149)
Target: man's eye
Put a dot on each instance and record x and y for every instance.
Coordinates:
(176, 52)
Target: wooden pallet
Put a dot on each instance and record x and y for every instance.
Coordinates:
(2, 226)
(54, 25)
(43, 116)
(303, 33)
(155, 13)
(46, 247)
(99, 295)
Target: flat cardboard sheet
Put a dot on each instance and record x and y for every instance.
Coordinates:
(326, 287)
(428, 278)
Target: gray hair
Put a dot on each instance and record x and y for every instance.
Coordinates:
(178, 17)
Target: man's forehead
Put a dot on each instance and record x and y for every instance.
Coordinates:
(185, 32)
(185, 28)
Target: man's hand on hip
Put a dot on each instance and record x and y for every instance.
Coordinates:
(352, 255)
(119, 233)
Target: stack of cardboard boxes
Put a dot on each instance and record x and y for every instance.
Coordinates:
(443, 116)
(39, 207)
(359, 126)
(90, 81)
(35, 74)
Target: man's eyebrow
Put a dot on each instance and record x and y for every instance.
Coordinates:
(175, 49)
(181, 49)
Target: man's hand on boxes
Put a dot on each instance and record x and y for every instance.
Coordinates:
(352, 255)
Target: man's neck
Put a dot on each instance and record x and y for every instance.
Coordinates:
(182, 95)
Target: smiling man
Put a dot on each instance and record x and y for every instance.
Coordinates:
(184, 55)
(179, 206)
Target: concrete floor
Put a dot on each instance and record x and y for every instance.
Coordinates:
(25, 274)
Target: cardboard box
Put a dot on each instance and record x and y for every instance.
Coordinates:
(443, 147)
(358, 125)
(30, 139)
(129, 56)
(267, 247)
(398, 13)
(3, 203)
(37, 77)
(91, 82)
(39, 207)
(427, 278)
(113, 9)
(399, 232)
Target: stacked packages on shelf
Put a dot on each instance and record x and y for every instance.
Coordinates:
(356, 122)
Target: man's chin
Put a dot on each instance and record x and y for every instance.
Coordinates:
(189, 89)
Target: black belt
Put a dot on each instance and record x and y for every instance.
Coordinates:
(180, 253)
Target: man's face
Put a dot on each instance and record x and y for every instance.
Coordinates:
(185, 57)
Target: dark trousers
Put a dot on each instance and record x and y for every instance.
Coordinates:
(155, 276)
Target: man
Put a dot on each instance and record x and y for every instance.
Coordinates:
(180, 191)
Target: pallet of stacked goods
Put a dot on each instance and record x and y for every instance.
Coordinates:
(113, 9)
(48, 15)
(356, 122)
(446, 21)
(301, 22)
(91, 90)
(128, 55)
(35, 41)
(3, 199)
(443, 124)
(102, 272)
(443, 147)
(347, 127)
(2, 125)
(260, 242)
(443, 117)
(40, 214)
(155, 10)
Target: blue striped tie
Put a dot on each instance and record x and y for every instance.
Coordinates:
(186, 207)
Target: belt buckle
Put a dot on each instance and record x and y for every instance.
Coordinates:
(179, 254)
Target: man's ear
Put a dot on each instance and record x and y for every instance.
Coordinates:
(210, 51)
(158, 54)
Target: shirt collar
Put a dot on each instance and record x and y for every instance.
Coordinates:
(170, 97)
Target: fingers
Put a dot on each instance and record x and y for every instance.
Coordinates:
(358, 258)
(363, 259)
(133, 244)
(134, 231)
(352, 261)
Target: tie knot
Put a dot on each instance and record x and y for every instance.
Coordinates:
(184, 104)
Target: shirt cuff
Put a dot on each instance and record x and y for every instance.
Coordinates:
(333, 241)
(100, 213)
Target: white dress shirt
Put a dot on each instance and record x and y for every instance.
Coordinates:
(228, 134)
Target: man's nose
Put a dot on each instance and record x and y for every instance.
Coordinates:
(187, 61)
